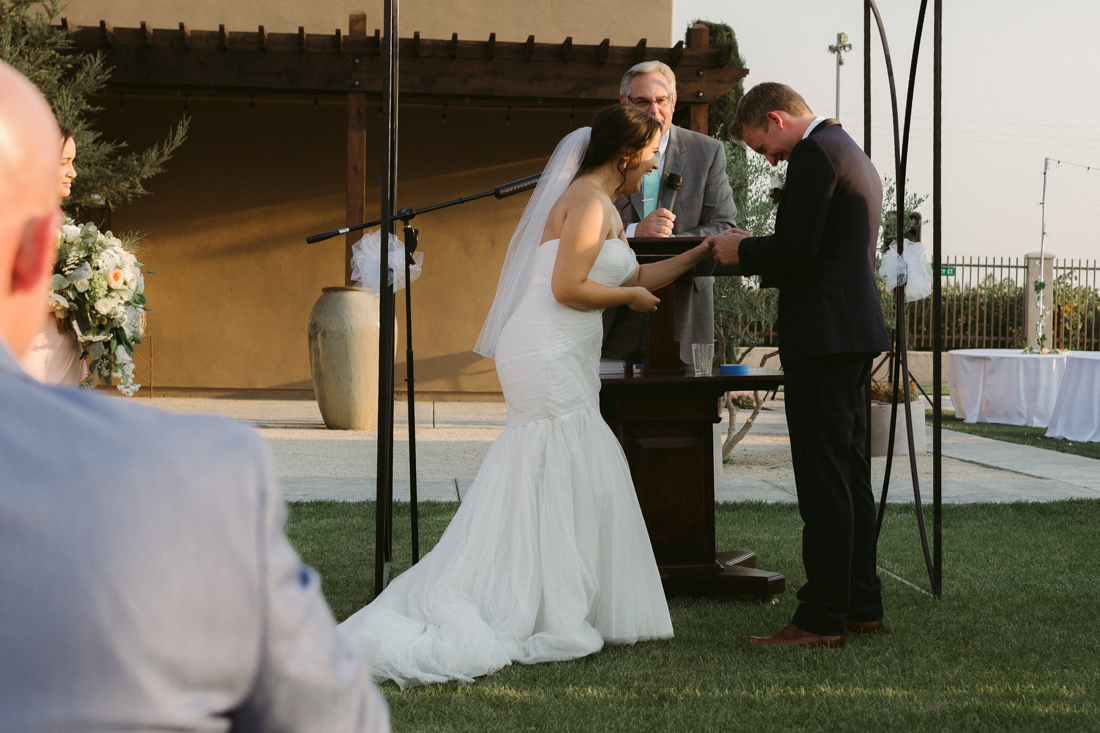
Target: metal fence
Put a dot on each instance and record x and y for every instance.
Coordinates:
(1075, 321)
(984, 302)
(983, 306)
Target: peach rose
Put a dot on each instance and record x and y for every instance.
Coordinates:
(116, 278)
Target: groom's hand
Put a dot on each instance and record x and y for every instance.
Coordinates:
(726, 245)
(657, 224)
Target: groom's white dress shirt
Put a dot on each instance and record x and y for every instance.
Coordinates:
(146, 582)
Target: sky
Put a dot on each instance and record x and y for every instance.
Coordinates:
(1021, 83)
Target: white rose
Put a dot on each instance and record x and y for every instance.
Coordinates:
(116, 278)
(71, 232)
(104, 305)
(81, 286)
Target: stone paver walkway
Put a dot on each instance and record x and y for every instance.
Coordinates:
(452, 437)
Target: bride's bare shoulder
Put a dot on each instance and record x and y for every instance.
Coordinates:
(581, 201)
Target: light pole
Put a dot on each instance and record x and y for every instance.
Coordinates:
(841, 46)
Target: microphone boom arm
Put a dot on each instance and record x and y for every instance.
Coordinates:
(407, 215)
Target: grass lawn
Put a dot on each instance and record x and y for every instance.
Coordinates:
(1012, 645)
(1017, 434)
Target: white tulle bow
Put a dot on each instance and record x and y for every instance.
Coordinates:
(912, 269)
(364, 262)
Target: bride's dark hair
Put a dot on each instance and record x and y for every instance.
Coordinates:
(618, 131)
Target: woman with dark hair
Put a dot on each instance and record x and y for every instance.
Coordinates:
(548, 557)
(54, 354)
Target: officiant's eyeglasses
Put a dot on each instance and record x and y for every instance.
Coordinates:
(645, 102)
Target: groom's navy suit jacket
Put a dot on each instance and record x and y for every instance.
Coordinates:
(822, 252)
(830, 325)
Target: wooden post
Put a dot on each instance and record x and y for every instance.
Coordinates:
(699, 37)
(357, 154)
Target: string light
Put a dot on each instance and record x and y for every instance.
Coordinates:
(1075, 165)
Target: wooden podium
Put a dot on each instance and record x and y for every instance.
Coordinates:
(665, 420)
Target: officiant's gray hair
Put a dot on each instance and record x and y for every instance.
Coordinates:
(648, 67)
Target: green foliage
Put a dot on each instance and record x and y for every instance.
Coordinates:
(989, 315)
(721, 109)
(32, 43)
(745, 313)
(751, 181)
(889, 226)
(1075, 321)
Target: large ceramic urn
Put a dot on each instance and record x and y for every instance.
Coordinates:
(343, 357)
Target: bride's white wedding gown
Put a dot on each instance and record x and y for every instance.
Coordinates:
(548, 556)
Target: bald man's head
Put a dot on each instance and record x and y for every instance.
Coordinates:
(29, 212)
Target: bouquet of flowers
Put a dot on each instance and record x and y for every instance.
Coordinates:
(99, 290)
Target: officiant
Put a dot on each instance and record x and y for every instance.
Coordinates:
(704, 206)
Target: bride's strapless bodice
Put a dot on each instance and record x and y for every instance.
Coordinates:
(548, 354)
(613, 266)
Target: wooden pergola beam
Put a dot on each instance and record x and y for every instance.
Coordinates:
(226, 60)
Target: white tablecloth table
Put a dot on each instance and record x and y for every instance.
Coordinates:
(1004, 385)
(1076, 414)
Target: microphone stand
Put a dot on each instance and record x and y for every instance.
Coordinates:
(411, 241)
(406, 215)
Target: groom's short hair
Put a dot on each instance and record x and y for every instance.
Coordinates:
(752, 111)
(648, 67)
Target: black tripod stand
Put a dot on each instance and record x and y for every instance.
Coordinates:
(384, 542)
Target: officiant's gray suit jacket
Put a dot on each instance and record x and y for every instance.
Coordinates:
(704, 206)
(146, 582)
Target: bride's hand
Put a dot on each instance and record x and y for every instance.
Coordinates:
(705, 249)
(642, 301)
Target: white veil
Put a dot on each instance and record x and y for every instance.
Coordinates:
(556, 177)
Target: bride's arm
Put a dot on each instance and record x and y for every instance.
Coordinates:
(582, 237)
(653, 275)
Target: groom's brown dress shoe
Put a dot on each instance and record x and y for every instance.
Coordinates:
(791, 635)
(866, 627)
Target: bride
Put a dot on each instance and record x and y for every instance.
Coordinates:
(548, 557)
(54, 356)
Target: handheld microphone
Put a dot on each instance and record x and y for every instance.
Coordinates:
(672, 189)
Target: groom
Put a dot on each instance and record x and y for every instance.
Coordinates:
(704, 206)
(830, 326)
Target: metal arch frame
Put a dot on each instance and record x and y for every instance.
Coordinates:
(934, 558)
(383, 533)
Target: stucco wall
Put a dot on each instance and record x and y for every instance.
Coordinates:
(225, 230)
(623, 21)
(225, 225)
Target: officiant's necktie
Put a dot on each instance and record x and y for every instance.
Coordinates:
(651, 182)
